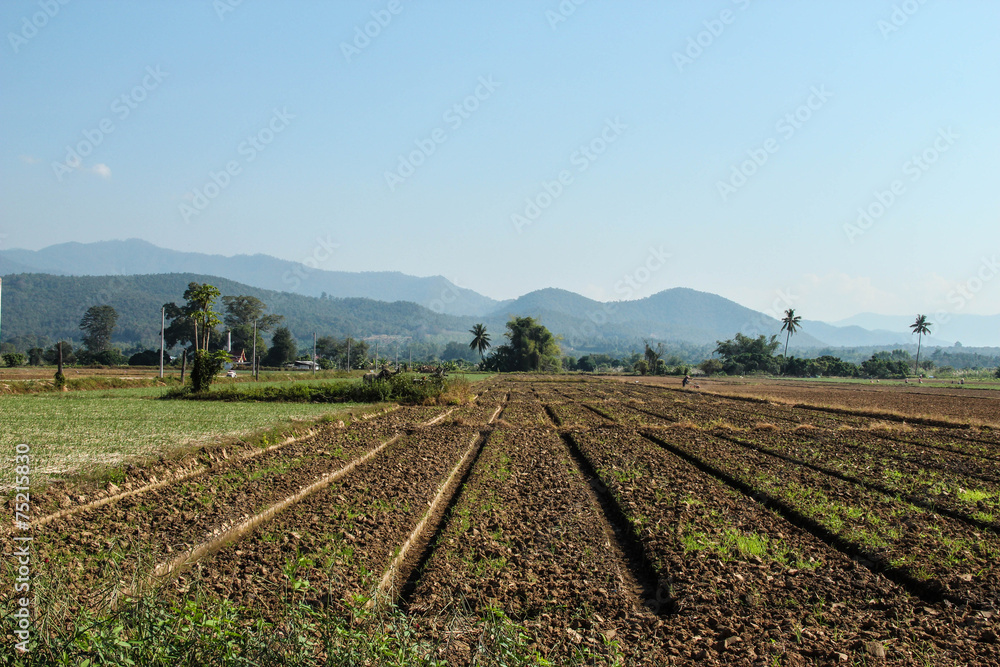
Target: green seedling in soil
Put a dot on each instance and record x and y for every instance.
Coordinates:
(971, 495)
(747, 544)
(484, 567)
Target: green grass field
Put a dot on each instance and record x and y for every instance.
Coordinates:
(92, 431)
(87, 431)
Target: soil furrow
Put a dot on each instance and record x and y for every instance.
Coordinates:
(917, 555)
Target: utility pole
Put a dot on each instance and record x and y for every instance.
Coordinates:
(376, 354)
(348, 355)
(314, 353)
(253, 363)
(163, 324)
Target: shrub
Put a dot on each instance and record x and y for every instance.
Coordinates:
(110, 357)
(145, 358)
(13, 359)
(204, 369)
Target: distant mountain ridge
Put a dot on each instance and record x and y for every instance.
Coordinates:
(677, 315)
(969, 330)
(138, 257)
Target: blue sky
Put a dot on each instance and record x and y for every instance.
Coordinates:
(520, 145)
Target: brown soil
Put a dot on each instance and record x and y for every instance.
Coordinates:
(600, 521)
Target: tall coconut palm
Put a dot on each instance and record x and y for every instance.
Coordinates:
(480, 340)
(920, 327)
(790, 323)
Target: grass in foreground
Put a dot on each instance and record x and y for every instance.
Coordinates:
(204, 629)
(76, 433)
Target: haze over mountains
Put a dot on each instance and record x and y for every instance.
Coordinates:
(673, 315)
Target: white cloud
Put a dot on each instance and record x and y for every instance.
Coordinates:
(102, 170)
(29, 159)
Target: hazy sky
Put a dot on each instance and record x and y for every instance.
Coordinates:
(726, 146)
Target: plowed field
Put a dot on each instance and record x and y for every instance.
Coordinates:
(566, 522)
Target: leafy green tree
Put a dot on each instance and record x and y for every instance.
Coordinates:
(789, 324)
(882, 367)
(653, 357)
(202, 298)
(920, 327)
(711, 366)
(283, 348)
(36, 356)
(98, 324)
(836, 367)
(13, 359)
(745, 354)
(110, 357)
(641, 367)
(196, 322)
(531, 347)
(335, 351)
(145, 358)
(480, 340)
(241, 313)
(186, 320)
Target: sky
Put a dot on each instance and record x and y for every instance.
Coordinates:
(831, 157)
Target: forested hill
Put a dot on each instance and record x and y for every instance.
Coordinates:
(52, 306)
(137, 257)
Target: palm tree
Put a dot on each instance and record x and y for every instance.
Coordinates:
(790, 324)
(480, 340)
(920, 327)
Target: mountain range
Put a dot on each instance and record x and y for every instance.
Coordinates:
(436, 307)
